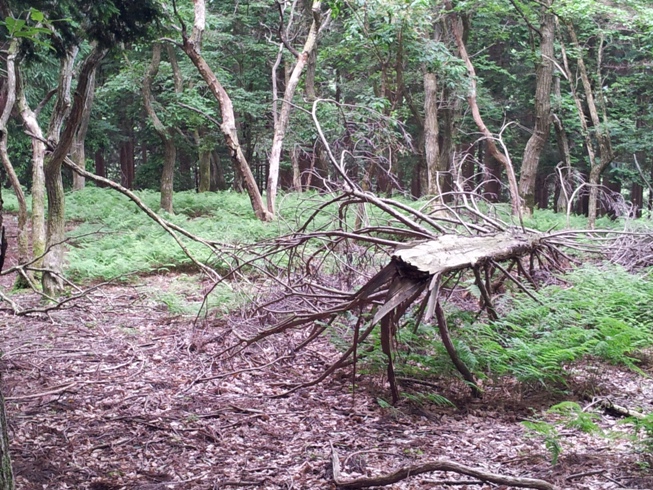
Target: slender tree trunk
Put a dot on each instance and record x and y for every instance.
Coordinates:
(30, 122)
(296, 172)
(434, 177)
(564, 174)
(205, 175)
(205, 171)
(601, 130)
(284, 116)
(126, 164)
(218, 180)
(309, 79)
(490, 139)
(10, 101)
(447, 117)
(100, 166)
(191, 46)
(78, 153)
(53, 261)
(170, 151)
(542, 109)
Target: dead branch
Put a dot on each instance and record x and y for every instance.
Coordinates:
(437, 465)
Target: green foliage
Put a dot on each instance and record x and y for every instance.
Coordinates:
(425, 398)
(549, 434)
(603, 313)
(643, 431)
(115, 238)
(570, 415)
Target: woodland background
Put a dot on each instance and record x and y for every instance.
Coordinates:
(196, 195)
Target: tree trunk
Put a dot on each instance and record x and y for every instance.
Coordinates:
(53, 261)
(170, 151)
(601, 130)
(205, 171)
(191, 46)
(10, 101)
(284, 116)
(492, 176)
(218, 181)
(296, 172)
(78, 153)
(127, 163)
(542, 109)
(434, 178)
(30, 122)
(563, 175)
(489, 138)
(100, 166)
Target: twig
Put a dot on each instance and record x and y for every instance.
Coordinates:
(61, 389)
(437, 465)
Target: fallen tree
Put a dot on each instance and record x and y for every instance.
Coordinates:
(413, 257)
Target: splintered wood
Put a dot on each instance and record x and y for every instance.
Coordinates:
(449, 253)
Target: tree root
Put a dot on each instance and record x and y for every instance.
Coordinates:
(437, 465)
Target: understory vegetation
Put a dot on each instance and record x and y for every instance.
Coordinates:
(596, 311)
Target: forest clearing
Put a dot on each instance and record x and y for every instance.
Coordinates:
(126, 387)
(326, 244)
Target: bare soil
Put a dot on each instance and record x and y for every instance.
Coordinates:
(114, 392)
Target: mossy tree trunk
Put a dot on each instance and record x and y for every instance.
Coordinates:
(29, 118)
(70, 120)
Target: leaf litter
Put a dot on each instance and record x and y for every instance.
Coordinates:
(113, 393)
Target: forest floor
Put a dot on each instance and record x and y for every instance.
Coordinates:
(115, 392)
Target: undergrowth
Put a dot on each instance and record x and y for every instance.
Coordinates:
(114, 238)
(603, 312)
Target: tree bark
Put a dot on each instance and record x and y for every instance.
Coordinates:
(601, 130)
(205, 171)
(10, 101)
(38, 178)
(296, 171)
(542, 109)
(170, 150)
(218, 180)
(191, 46)
(53, 260)
(489, 138)
(78, 152)
(434, 177)
(100, 166)
(284, 116)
